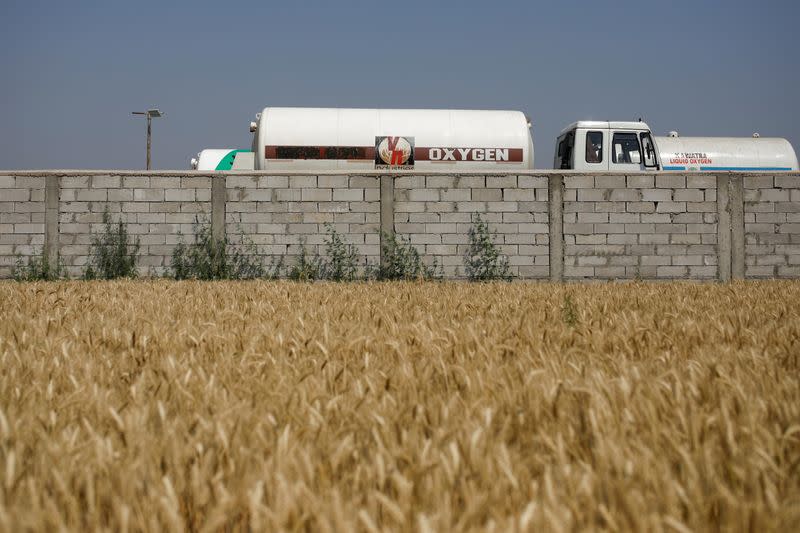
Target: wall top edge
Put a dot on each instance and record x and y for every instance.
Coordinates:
(200, 173)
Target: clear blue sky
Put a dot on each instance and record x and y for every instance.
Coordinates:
(73, 71)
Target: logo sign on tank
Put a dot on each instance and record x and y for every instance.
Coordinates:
(394, 152)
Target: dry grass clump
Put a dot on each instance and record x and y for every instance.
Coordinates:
(157, 405)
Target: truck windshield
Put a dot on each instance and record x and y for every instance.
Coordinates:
(564, 151)
(626, 148)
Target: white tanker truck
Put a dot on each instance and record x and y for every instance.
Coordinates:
(630, 146)
(357, 140)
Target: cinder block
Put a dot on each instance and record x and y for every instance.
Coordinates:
(680, 238)
(626, 195)
(775, 195)
(703, 272)
(196, 182)
(672, 271)
(118, 195)
(594, 217)
(15, 195)
(74, 182)
(788, 228)
(787, 182)
(533, 228)
(639, 228)
(579, 207)
(501, 182)
(701, 207)
(593, 195)
(788, 271)
(532, 182)
(640, 182)
(365, 182)
(105, 182)
(469, 182)
(165, 182)
(758, 182)
(333, 182)
(667, 181)
(612, 228)
(287, 195)
(464, 195)
(701, 182)
(28, 228)
(317, 195)
(348, 195)
(670, 228)
(640, 207)
(409, 182)
(148, 195)
(685, 218)
(578, 182)
(625, 218)
(610, 207)
(29, 182)
(687, 260)
(622, 238)
(423, 195)
(503, 207)
(179, 195)
(788, 207)
(242, 181)
(590, 239)
(657, 195)
(302, 182)
(578, 272)
(610, 182)
(132, 182)
(671, 207)
(258, 195)
(440, 182)
(610, 272)
(470, 207)
(521, 195)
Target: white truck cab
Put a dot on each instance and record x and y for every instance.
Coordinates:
(593, 145)
(596, 146)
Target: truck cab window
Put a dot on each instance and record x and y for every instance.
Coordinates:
(626, 148)
(594, 146)
(648, 150)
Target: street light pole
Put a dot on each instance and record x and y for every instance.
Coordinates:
(149, 115)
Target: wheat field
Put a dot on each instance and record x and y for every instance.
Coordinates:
(275, 406)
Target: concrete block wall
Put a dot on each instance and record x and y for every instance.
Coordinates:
(650, 226)
(158, 210)
(435, 213)
(550, 225)
(22, 213)
(281, 214)
(772, 226)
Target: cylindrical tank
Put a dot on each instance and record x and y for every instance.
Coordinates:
(222, 159)
(319, 139)
(726, 153)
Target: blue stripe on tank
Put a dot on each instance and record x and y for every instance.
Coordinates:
(733, 169)
(746, 169)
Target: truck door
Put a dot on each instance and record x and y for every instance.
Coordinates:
(626, 153)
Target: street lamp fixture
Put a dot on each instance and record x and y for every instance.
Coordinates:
(149, 114)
